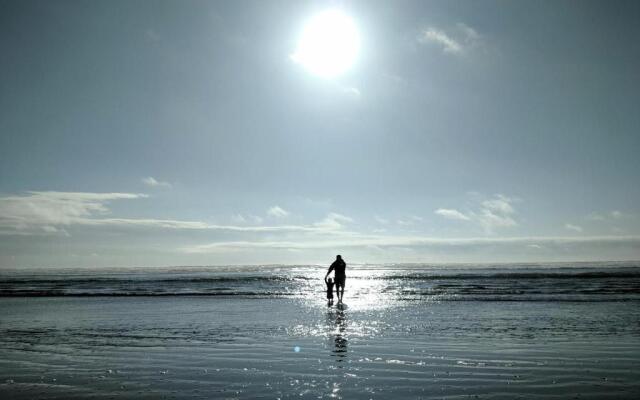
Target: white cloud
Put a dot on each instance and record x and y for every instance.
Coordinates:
(410, 220)
(152, 182)
(432, 35)
(497, 212)
(452, 214)
(501, 204)
(491, 220)
(333, 221)
(46, 211)
(51, 212)
(572, 227)
(277, 212)
(456, 40)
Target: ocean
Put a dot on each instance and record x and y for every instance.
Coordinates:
(569, 330)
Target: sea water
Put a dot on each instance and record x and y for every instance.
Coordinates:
(408, 331)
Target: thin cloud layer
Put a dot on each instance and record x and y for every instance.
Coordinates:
(66, 213)
(52, 212)
(388, 241)
(47, 212)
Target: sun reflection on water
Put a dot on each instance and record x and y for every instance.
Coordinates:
(368, 298)
(365, 290)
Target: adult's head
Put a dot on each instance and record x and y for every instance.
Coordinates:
(338, 257)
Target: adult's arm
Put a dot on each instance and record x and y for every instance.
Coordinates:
(329, 271)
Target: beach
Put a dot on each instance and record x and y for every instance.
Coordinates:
(407, 332)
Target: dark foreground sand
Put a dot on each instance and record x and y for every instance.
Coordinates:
(205, 347)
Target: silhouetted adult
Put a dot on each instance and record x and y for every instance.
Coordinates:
(338, 267)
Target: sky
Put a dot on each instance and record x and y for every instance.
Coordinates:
(160, 133)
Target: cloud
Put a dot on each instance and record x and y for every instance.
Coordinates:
(333, 221)
(501, 204)
(456, 40)
(572, 227)
(469, 34)
(47, 211)
(497, 212)
(244, 219)
(277, 212)
(152, 182)
(432, 35)
(595, 217)
(616, 214)
(452, 214)
(410, 220)
(382, 242)
(51, 212)
(607, 216)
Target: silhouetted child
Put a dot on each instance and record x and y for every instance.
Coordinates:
(330, 284)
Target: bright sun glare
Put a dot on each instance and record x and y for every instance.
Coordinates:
(328, 45)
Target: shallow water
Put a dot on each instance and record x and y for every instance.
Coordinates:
(389, 342)
(366, 283)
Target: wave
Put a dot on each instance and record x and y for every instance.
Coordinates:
(66, 280)
(516, 275)
(395, 283)
(283, 295)
(54, 293)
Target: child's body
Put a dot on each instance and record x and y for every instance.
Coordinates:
(330, 284)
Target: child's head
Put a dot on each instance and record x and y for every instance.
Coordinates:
(329, 280)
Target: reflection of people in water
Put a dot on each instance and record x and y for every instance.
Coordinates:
(338, 324)
(339, 267)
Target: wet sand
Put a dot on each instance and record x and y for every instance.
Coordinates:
(206, 347)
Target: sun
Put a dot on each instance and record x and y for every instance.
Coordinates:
(328, 45)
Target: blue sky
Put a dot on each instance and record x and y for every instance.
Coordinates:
(183, 133)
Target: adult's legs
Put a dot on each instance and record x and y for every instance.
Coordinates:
(340, 291)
